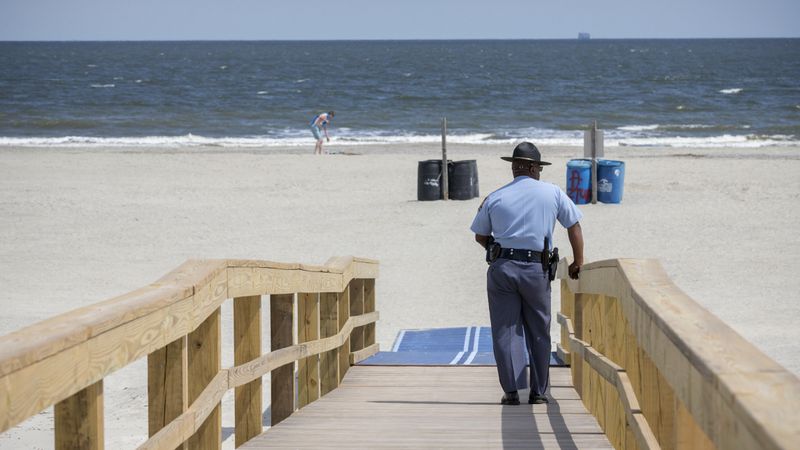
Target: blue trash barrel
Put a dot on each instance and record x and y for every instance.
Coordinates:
(610, 180)
(579, 186)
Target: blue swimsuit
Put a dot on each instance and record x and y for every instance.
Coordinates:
(315, 130)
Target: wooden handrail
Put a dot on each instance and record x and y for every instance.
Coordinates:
(176, 320)
(614, 374)
(696, 381)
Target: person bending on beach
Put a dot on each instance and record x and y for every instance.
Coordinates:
(520, 217)
(319, 125)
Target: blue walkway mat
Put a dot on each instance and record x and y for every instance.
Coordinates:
(442, 346)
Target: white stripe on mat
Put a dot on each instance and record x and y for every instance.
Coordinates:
(474, 346)
(466, 347)
(399, 340)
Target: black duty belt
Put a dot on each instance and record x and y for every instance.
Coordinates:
(521, 254)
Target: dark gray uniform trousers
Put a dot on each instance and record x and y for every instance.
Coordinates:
(519, 298)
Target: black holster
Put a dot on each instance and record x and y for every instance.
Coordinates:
(549, 260)
(552, 267)
(492, 250)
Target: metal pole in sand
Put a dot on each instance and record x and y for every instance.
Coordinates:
(445, 181)
(594, 162)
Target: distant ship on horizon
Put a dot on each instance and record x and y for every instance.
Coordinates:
(584, 36)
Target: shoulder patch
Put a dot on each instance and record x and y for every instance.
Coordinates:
(484, 201)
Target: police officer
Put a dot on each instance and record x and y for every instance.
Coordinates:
(518, 217)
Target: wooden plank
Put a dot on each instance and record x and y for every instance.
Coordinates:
(356, 309)
(328, 326)
(247, 347)
(204, 354)
(567, 311)
(344, 316)
(307, 331)
(245, 373)
(46, 382)
(282, 335)
(434, 407)
(190, 422)
(581, 301)
(42, 340)
(364, 353)
(602, 365)
(247, 281)
(615, 416)
(369, 306)
(33, 344)
(687, 433)
(209, 297)
(79, 420)
(167, 385)
(563, 354)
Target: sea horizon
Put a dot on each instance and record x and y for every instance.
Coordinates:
(405, 39)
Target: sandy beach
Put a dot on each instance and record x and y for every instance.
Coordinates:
(81, 225)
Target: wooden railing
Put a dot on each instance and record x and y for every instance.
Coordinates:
(657, 370)
(175, 322)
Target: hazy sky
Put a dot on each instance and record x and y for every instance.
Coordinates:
(399, 19)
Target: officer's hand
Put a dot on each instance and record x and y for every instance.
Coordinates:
(574, 270)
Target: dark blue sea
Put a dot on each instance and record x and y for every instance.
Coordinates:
(717, 92)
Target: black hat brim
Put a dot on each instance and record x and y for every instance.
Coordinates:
(511, 159)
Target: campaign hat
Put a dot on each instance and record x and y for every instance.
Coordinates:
(528, 152)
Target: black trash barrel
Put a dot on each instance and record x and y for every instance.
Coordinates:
(463, 181)
(429, 180)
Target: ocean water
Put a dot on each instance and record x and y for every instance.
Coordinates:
(716, 92)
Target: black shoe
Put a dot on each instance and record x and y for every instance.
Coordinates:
(510, 398)
(537, 399)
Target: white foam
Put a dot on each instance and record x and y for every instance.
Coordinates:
(741, 141)
(102, 85)
(262, 93)
(690, 126)
(730, 91)
(301, 138)
(638, 127)
(303, 80)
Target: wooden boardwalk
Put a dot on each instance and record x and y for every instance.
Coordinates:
(435, 407)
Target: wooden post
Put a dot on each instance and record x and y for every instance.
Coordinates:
(594, 163)
(307, 331)
(204, 354)
(328, 326)
(344, 315)
(247, 347)
(282, 335)
(356, 309)
(167, 385)
(369, 306)
(79, 420)
(578, 364)
(445, 174)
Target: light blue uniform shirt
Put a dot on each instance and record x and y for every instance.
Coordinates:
(521, 213)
